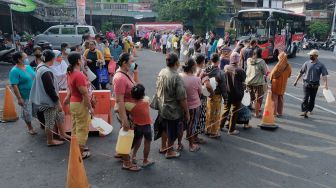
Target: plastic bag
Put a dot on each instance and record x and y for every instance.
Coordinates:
(112, 67)
(91, 75)
(103, 75)
(328, 95)
(246, 101)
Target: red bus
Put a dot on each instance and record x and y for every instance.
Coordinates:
(275, 30)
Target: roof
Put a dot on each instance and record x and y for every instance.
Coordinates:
(284, 11)
(123, 13)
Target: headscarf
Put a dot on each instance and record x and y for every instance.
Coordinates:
(280, 67)
(231, 69)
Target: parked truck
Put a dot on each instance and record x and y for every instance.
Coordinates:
(140, 29)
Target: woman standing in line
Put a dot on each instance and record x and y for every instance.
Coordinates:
(279, 76)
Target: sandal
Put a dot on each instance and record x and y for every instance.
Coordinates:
(195, 148)
(86, 154)
(235, 132)
(177, 155)
(131, 167)
(180, 147)
(32, 132)
(247, 126)
(150, 163)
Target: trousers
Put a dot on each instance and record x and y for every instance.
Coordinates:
(309, 98)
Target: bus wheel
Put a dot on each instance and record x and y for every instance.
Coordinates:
(275, 56)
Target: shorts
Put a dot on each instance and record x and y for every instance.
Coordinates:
(26, 111)
(143, 131)
(52, 117)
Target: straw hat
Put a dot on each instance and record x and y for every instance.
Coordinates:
(314, 52)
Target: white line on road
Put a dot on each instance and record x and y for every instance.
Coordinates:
(318, 106)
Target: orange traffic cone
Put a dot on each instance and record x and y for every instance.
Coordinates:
(76, 177)
(9, 111)
(267, 121)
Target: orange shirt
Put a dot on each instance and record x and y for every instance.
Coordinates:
(139, 111)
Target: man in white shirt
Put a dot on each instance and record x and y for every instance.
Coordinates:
(164, 39)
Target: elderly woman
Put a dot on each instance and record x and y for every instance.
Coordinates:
(45, 99)
(213, 113)
(59, 69)
(279, 76)
(255, 80)
(236, 77)
(123, 83)
(172, 104)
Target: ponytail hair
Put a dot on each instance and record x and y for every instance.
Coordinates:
(187, 67)
(124, 57)
(48, 55)
(73, 59)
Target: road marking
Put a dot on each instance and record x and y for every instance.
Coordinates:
(318, 106)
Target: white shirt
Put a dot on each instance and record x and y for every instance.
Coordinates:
(60, 71)
(164, 39)
(130, 39)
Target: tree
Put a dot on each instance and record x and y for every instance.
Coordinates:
(201, 14)
(107, 26)
(319, 29)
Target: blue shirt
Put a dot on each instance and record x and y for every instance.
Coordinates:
(23, 79)
(115, 52)
(312, 72)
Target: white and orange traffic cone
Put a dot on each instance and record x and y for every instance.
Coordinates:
(268, 120)
(76, 171)
(9, 110)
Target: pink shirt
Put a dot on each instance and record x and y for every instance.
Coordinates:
(193, 87)
(122, 85)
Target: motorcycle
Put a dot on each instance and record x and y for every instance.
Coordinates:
(29, 47)
(6, 53)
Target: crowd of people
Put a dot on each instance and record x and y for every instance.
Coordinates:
(200, 91)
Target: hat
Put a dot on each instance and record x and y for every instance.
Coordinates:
(314, 52)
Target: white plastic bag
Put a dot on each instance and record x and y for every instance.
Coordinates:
(246, 101)
(205, 91)
(102, 126)
(220, 42)
(91, 75)
(213, 83)
(328, 95)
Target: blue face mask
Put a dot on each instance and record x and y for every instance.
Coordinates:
(132, 67)
(26, 61)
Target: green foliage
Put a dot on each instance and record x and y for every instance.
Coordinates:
(319, 29)
(107, 26)
(201, 14)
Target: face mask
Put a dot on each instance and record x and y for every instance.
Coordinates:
(67, 50)
(26, 61)
(132, 67)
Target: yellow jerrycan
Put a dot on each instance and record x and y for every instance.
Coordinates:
(125, 140)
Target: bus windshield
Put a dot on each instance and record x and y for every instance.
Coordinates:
(252, 24)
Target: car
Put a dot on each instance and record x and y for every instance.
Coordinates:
(71, 34)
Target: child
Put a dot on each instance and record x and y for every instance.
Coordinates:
(140, 115)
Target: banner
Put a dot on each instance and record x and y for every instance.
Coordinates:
(80, 11)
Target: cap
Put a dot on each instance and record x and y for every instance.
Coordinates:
(314, 52)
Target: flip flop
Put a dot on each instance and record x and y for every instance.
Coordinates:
(150, 163)
(197, 148)
(235, 132)
(86, 154)
(247, 126)
(32, 132)
(132, 168)
(59, 144)
(177, 155)
(117, 156)
(180, 147)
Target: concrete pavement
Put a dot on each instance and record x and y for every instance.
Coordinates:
(301, 153)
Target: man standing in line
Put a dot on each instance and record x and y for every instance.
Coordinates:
(311, 72)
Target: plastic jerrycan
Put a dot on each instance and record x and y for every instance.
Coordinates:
(125, 140)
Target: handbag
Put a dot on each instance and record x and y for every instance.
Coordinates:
(103, 75)
(155, 103)
(112, 67)
(157, 127)
(246, 101)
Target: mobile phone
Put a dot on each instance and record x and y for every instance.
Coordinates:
(136, 66)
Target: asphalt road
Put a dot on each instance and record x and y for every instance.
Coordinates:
(301, 153)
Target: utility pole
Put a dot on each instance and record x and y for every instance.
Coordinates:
(333, 23)
(91, 4)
